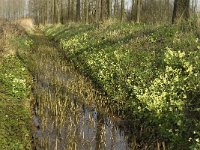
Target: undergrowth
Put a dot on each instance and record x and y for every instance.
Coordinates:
(15, 113)
(150, 73)
(15, 82)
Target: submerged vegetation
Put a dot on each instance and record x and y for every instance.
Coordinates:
(149, 73)
(68, 111)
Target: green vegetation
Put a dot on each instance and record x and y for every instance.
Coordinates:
(150, 73)
(15, 113)
(15, 86)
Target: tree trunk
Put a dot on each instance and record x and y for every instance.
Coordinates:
(72, 10)
(138, 11)
(181, 10)
(86, 11)
(122, 10)
(109, 6)
(54, 12)
(69, 10)
(78, 10)
(132, 10)
(116, 9)
(97, 11)
(102, 10)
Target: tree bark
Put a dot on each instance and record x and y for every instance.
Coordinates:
(78, 10)
(181, 11)
(122, 10)
(69, 10)
(109, 6)
(86, 11)
(97, 7)
(72, 11)
(138, 11)
(102, 10)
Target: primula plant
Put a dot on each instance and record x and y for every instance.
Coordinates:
(166, 97)
(15, 77)
(156, 86)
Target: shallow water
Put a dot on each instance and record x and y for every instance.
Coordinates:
(68, 113)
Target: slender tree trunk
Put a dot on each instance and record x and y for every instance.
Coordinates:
(61, 13)
(116, 8)
(138, 11)
(102, 10)
(132, 10)
(122, 10)
(54, 12)
(86, 11)
(78, 10)
(72, 10)
(181, 10)
(109, 6)
(69, 10)
(97, 11)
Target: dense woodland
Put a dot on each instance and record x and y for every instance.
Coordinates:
(94, 11)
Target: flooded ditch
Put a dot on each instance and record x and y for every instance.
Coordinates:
(68, 113)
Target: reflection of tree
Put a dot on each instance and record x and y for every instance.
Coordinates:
(113, 139)
(76, 126)
(99, 132)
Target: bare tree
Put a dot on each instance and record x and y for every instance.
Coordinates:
(86, 11)
(122, 10)
(138, 10)
(116, 9)
(55, 11)
(97, 14)
(102, 16)
(181, 10)
(78, 10)
(109, 8)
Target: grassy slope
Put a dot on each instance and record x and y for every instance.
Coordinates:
(14, 106)
(15, 113)
(151, 72)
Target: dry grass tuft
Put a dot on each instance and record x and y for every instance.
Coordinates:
(8, 31)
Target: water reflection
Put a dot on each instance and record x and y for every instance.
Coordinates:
(68, 113)
(66, 123)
